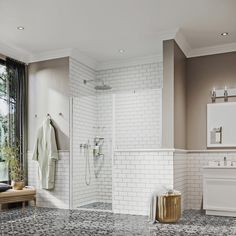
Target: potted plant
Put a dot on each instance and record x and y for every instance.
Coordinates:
(11, 154)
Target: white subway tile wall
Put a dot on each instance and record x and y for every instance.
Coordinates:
(84, 123)
(138, 120)
(180, 175)
(103, 166)
(59, 196)
(131, 78)
(136, 176)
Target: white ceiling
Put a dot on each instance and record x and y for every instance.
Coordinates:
(99, 28)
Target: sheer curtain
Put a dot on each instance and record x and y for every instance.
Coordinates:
(13, 113)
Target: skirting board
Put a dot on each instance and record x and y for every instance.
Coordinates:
(221, 213)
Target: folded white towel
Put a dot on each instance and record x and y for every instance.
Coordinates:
(154, 203)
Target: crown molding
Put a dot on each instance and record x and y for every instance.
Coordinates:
(182, 42)
(176, 34)
(14, 52)
(218, 49)
(67, 52)
(168, 34)
(204, 51)
(84, 59)
(43, 56)
(129, 62)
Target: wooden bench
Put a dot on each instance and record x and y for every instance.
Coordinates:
(11, 196)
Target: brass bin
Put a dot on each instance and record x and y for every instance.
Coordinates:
(169, 208)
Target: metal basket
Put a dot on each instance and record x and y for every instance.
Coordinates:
(169, 207)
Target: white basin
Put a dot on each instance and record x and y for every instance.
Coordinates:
(219, 190)
(219, 167)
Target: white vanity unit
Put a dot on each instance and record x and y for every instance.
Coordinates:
(219, 190)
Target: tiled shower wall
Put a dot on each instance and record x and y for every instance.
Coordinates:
(104, 108)
(138, 120)
(130, 114)
(83, 121)
(147, 76)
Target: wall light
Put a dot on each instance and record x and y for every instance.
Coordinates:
(225, 94)
(121, 51)
(224, 34)
(20, 28)
(213, 95)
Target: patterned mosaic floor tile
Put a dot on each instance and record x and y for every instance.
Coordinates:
(98, 206)
(56, 222)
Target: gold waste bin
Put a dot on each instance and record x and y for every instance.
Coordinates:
(169, 207)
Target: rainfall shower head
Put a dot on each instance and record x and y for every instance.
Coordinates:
(102, 86)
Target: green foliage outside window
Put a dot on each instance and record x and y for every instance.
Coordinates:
(7, 117)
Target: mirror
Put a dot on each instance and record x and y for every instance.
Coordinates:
(221, 124)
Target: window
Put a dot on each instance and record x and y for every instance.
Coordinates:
(13, 111)
(7, 116)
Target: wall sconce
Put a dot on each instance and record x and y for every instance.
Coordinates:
(225, 94)
(213, 95)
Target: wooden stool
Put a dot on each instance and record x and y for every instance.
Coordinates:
(11, 196)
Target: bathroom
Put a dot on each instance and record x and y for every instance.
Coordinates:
(132, 113)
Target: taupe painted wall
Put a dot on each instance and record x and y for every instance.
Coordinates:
(204, 73)
(168, 95)
(49, 93)
(180, 117)
(173, 96)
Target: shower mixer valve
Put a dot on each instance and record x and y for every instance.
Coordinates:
(98, 144)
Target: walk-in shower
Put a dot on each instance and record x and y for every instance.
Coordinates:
(113, 111)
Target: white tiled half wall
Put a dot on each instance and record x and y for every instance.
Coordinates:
(136, 175)
(180, 175)
(59, 197)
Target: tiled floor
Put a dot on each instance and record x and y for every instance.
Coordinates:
(98, 206)
(77, 222)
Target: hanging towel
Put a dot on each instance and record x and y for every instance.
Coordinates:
(153, 208)
(46, 154)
